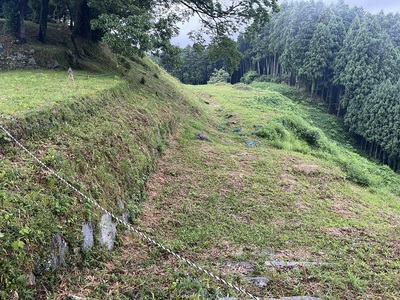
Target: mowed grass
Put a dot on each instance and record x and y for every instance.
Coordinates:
(247, 198)
(103, 136)
(24, 91)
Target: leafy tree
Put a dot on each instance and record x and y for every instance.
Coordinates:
(14, 11)
(10, 12)
(220, 18)
(218, 49)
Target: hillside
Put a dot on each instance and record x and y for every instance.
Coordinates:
(102, 133)
(246, 203)
(278, 203)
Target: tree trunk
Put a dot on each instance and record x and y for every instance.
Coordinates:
(44, 11)
(329, 95)
(21, 26)
(82, 25)
(371, 150)
(377, 151)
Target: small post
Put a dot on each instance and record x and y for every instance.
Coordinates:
(71, 75)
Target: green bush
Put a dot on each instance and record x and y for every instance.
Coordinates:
(219, 76)
(356, 173)
(273, 132)
(249, 77)
(303, 130)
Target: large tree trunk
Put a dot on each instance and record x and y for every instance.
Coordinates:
(21, 26)
(44, 11)
(82, 19)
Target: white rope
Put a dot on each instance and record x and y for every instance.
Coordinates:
(130, 227)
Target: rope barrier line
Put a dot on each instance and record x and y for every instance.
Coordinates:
(130, 227)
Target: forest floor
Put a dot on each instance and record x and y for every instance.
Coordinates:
(292, 206)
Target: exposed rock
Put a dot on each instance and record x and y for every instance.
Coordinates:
(108, 231)
(17, 60)
(264, 252)
(276, 263)
(284, 298)
(57, 257)
(31, 62)
(296, 298)
(251, 143)
(88, 240)
(202, 137)
(53, 64)
(59, 251)
(73, 297)
(125, 214)
(242, 267)
(31, 280)
(258, 281)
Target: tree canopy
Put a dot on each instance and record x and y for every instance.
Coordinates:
(137, 26)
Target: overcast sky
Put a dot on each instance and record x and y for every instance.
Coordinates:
(373, 6)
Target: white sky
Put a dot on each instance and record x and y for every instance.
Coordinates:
(374, 6)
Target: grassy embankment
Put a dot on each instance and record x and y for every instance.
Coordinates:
(279, 181)
(102, 134)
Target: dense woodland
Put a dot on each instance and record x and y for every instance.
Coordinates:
(341, 54)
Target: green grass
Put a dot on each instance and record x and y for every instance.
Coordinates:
(102, 135)
(24, 91)
(226, 202)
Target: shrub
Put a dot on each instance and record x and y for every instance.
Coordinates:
(356, 173)
(219, 76)
(124, 63)
(273, 132)
(303, 130)
(249, 77)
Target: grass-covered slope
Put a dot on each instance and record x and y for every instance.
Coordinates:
(275, 184)
(102, 134)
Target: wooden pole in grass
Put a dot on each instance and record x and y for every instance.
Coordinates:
(71, 75)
